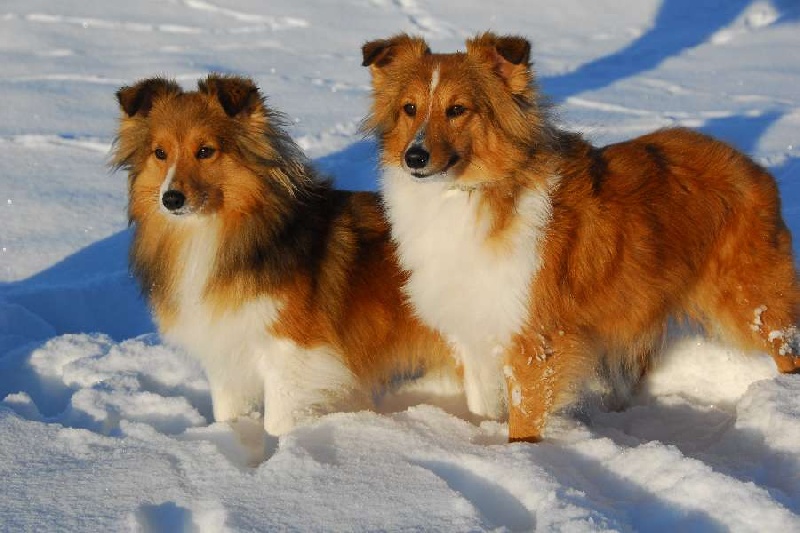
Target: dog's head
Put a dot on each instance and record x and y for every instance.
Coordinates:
(464, 117)
(198, 152)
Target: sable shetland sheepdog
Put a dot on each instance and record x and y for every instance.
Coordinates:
(546, 260)
(287, 290)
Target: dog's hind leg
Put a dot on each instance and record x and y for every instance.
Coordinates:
(750, 291)
(623, 370)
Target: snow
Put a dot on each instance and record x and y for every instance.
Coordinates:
(103, 427)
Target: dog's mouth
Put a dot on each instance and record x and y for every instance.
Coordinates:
(423, 174)
(183, 211)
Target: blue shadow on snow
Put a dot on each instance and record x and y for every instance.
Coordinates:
(678, 26)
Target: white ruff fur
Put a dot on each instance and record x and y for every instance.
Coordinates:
(474, 294)
(246, 366)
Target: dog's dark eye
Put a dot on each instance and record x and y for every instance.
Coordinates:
(455, 111)
(160, 154)
(410, 110)
(205, 152)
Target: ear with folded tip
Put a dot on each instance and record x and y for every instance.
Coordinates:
(508, 56)
(237, 95)
(382, 52)
(138, 99)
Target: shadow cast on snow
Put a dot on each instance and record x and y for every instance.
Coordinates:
(89, 291)
(678, 26)
(586, 482)
(709, 436)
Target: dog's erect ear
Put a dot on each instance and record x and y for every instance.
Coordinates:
(508, 55)
(515, 50)
(377, 54)
(138, 99)
(237, 95)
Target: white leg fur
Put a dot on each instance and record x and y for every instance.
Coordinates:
(232, 399)
(484, 386)
(474, 294)
(300, 385)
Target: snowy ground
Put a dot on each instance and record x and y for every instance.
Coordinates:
(103, 428)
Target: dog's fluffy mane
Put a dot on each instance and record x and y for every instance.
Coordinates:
(279, 232)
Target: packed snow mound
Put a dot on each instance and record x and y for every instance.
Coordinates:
(121, 432)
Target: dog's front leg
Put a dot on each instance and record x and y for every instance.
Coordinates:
(234, 392)
(484, 386)
(543, 374)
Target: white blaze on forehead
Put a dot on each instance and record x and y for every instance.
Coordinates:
(432, 89)
(167, 183)
(434, 80)
(165, 186)
(419, 137)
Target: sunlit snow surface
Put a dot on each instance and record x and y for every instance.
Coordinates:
(102, 428)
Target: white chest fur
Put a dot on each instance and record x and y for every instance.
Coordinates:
(206, 334)
(230, 343)
(474, 292)
(245, 364)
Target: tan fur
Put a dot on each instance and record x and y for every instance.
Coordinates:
(283, 232)
(670, 224)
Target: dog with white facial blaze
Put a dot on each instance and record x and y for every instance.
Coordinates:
(547, 261)
(287, 290)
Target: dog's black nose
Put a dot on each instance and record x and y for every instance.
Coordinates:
(173, 200)
(417, 157)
